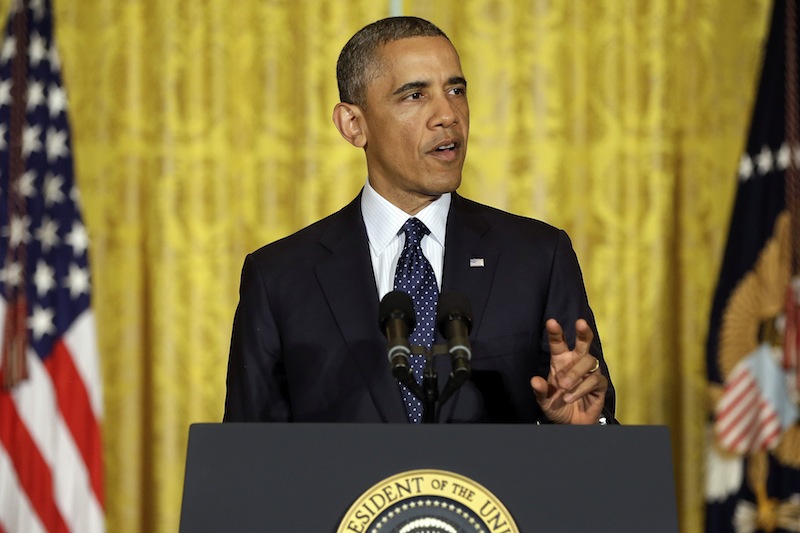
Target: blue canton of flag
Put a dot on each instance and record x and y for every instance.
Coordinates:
(55, 238)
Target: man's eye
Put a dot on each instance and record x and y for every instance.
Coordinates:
(414, 96)
(458, 90)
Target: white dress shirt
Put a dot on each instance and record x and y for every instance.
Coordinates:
(384, 222)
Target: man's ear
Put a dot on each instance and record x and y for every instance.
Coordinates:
(349, 120)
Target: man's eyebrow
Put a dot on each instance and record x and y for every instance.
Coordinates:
(412, 85)
(455, 80)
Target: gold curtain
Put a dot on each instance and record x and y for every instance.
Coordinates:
(202, 130)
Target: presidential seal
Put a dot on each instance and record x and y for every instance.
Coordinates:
(427, 501)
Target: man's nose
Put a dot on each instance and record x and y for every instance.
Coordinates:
(444, 113)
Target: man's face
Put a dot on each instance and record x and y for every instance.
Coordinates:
(416, 122)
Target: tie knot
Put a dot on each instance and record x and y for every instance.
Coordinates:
(415, 230)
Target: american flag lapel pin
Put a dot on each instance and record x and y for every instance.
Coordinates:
(476, 262)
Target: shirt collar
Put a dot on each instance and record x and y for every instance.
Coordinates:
(384, 220)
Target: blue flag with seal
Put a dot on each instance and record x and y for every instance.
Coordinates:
(753, 459)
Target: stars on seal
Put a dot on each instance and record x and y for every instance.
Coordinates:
(409, 516)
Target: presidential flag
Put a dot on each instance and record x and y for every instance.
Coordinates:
(51, 468)
(753, 459)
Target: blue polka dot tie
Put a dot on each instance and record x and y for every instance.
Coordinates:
(414, 276)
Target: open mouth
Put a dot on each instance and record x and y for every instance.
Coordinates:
(448, 151)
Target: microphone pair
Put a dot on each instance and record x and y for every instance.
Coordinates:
(397, 319)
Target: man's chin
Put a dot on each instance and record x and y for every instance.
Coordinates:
(449, 184)
(444, 178)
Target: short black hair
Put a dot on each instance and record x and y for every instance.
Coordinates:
(358, 59)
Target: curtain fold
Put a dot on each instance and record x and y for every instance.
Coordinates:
(202, 130)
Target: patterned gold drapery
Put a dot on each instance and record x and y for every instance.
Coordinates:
(202, 130)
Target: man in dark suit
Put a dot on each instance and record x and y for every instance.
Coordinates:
(306, 345)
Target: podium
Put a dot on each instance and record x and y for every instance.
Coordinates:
(309, 477)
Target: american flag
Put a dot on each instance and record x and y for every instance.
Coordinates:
(755, 407)
(51, 471)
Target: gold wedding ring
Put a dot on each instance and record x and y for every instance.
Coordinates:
(596, 366)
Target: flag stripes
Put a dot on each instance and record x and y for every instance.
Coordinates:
(746, 421)
(73, 400)
(52, 447)
(19, 516)
(32, 470)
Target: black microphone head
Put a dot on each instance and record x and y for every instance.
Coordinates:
(396, 304)
(453, 306)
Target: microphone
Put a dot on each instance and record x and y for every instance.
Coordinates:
(396, 319)
(454, 319)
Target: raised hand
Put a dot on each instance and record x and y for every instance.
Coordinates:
(574, 392)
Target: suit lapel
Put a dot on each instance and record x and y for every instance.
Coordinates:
(348, 283)
(470, 260)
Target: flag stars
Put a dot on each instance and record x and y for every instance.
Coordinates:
(30, 140)
(5, 92)
(25, 185)
(77, 281)
(56, 100)
(37, 49)
(44, 278)
(78, 238)
(11, 274)
(9, 49)
(47, 234)
(41, 322)
(56, 144)
(52, 189)
(35, 95)
(19, 230)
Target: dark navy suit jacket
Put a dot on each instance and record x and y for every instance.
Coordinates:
(306, 346)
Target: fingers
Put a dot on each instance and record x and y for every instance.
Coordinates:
(583, 337)
(570, 383)
(540, 388)
(594, 384)
(573, 370)
(580, 370)
(555, 336)
(558, 343)
(580, 405)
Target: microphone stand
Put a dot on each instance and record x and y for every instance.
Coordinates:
(430, 389)
(428, 394)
